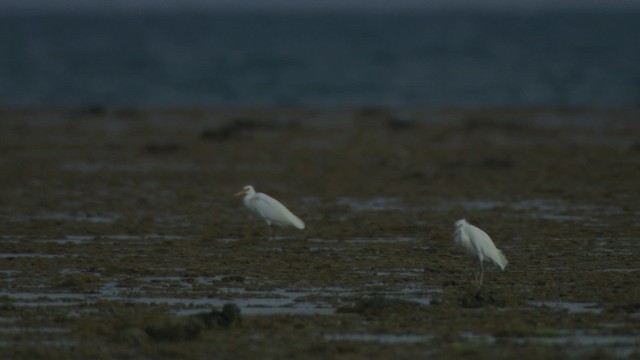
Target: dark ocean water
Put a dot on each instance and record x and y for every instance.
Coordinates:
(208, 59)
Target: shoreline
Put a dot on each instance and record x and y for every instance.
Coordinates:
(114, 233)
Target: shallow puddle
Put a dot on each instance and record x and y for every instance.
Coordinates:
(34, 255)
(374, 240)
(571, 307)
(581, 341)
(381, 338)
(617, 345)
(61, 216)
(556, 210)
(371, 204)
(316, 301)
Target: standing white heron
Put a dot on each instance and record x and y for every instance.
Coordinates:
(478, 245)
(270, 209)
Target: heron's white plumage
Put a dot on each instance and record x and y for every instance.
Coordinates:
(270, 209)
(478, 245)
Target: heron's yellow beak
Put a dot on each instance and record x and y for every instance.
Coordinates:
(241, 192)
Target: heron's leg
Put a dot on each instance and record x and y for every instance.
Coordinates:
(476, 274)
(481, 273)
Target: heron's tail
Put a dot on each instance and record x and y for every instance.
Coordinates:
(297, 222)
(501, 260)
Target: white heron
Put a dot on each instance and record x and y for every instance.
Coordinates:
(478, 245)
(270, 209)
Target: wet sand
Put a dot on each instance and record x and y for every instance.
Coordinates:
(120, 230)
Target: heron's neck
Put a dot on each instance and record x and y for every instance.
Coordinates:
(247, 198)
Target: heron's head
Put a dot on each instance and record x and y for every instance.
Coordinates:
(460, 222)
(247, 190)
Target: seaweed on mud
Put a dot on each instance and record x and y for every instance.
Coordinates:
(378, 305)
(482, 122)
(480, 298)
(163, 148)
(175, 329)
(630, 308)
(239, 126)
(233, 278)
(190, 328)
(400, 123)
(78, 282)
(229, 315)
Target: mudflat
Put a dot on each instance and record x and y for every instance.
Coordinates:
(120, 236)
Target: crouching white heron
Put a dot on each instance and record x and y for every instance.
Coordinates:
(479, 246)
(269, 209)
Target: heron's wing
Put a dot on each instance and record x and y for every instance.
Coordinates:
(484, 245)
(273, 211)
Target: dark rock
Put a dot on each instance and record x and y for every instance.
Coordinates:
(133, 336)
(486, 123)
(233, 278)
(175, 329)
(165, 148)
(395, 123)
(229, 315)
(480, 298)
(378, 304)
(498, 163)
(238, 126)
(627, 308)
